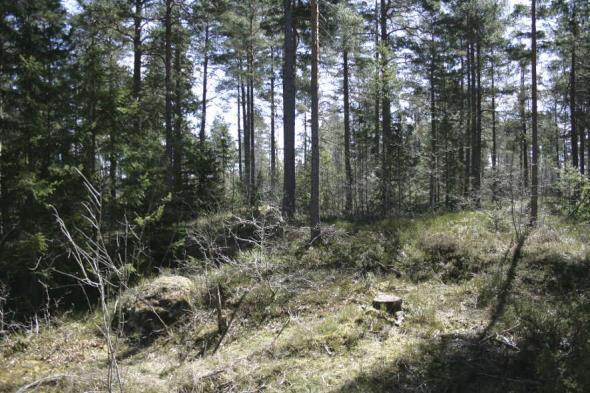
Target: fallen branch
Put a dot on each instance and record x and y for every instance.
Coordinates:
(503, 331)
(229, 323)
(506, 341)
(517, 380)
(43, 381)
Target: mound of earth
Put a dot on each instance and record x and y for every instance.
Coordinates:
(157, 304)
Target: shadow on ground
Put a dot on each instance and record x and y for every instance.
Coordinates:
(551, 354)
(451, 363)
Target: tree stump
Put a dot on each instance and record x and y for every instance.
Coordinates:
(389, 303)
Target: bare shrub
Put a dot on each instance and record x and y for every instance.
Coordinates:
(101, 268)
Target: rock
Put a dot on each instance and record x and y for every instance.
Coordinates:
(389, 303)
(157, 305)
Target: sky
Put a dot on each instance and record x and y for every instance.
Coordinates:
(219, 105)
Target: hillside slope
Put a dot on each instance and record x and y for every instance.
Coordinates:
(300, 318)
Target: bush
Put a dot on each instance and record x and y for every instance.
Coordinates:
(446, 256)
(574, 189)
(556, 342)
(365, 251)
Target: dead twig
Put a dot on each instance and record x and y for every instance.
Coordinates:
(229, 324)
(43, 381)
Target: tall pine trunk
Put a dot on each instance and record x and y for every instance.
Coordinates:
(494, 143)
(433, 136)
(204, 96)
(377, 113)
(289, 58)
(168, 92)
(239, 135)
(524, 149)
(477, 153)
(467, 166)
(314, 205)
(385, 109)
(347, 166)
(177, 117)
(137, 54)
(252, 185)
(246, 126)
(573, 109)
(534, 166)
(473, 121)
(273, 177)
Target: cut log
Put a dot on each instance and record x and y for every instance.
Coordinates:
(389, 303)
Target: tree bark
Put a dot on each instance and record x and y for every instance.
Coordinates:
(314, 206)
(177, 118)
(534, 166)
(168, 91)
(467, 167)
(347, 166)
(252, 192)
(556, 122)
(377, 113)
(474, 168)
(573, 114)
(273, 179)
(523, 137)
(246, 126)
(477, 145)
(494, 146)
(137, 54)
(385, 109)
(204, 101)
(239, 135)
(433, 136)
(289, 58)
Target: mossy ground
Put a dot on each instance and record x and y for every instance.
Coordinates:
(303, 319)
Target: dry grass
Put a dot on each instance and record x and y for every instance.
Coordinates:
(309, 326)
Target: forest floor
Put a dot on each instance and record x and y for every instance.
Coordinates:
(474, 317)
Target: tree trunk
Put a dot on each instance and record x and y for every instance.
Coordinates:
(573, 114)
(273, 179)
(305, 141)
(582, 151)
(494, 147)
(523, 138)
(314, 205)
(92, 121)
(246, 123)
(112, 154)
(177, 118)
(137, 54)
(534, 167)
(347, 166)
(466, 186)
(168, 87)
(251, 119)
(377, 119)
(204, 101)
(476, 165)
(239, 135)
(433, 136)
(289, 58)
(556, 121)
(385, 109)
(473, 121)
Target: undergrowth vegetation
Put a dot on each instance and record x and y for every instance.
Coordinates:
(276, 314)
